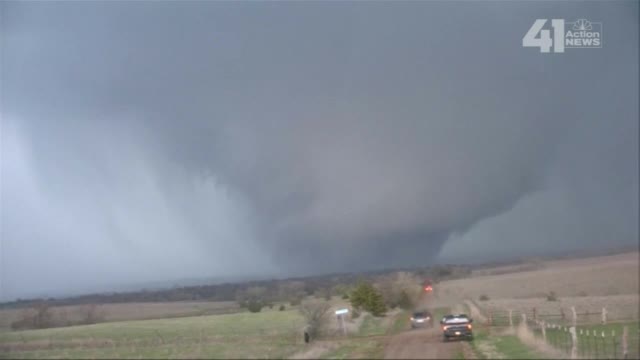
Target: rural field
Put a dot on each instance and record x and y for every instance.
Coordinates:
(132, 311)
(267, 334)
(223, 330)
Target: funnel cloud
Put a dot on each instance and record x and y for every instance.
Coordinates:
(163, 141)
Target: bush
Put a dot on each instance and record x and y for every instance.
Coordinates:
(281, 308)
(254, 306)
(399, 289)
(366, 297)
(315, 314)
(551, 296)
(345, 296)
(355, 314)
(484, 297)
(405, 302)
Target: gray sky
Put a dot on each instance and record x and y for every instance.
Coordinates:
(148, 141)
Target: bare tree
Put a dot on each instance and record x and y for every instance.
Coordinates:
(399, 289)
(315, 314)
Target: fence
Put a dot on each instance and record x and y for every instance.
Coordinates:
(612, 341)
(585, 335)
(507, 317)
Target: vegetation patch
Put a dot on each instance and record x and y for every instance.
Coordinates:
(275, 334)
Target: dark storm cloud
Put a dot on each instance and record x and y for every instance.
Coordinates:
(146, 141)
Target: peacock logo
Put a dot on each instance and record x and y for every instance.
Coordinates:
(582, 25)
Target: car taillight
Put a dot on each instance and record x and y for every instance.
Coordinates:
(411, 318)
(469, 326)
(444, 328)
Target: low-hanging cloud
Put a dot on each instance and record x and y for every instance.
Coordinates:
(172, 141)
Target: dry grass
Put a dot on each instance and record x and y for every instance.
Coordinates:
(619, 307)
(273, 334)
(131, 311)
(598, 276)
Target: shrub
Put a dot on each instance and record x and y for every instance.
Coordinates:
(405, 302)
(399, 289)
(281, 308)
(551, 296)
(345, 296)
(254, 306)
(368, 298)
(355, 314)
(314, 313)
(484, 297)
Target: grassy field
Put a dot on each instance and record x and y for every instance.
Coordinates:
(619, 307)
(372, 326)
(268, 334)
(357, 348)
(131, 311)
(512, 348)
(365, 344)
(596, 276)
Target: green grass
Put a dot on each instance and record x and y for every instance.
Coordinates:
(597, 345)
(367, 348)
(272, 334)
(480, 335)
(459, 355)
(357, 349)
(400, 323)
(372, 325)
(512, 348)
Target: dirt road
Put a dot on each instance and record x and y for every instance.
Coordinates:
(424, 344)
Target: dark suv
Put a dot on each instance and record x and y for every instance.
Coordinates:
(457, 326)
(420, 319)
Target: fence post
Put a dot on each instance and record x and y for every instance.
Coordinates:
(544, 331)
(604, 316)
(595, 338)
(574, 342)
(575, 316)
(535, 315)
(510, 318)
(625, 335)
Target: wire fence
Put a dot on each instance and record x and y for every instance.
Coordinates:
(578, 335)
(609, 341)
